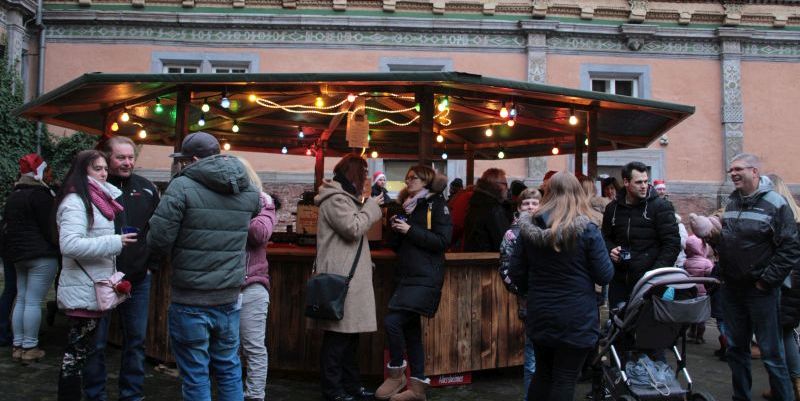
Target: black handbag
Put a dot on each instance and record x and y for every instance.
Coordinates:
(325, 292)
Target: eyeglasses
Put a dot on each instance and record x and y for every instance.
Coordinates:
(738, 169)
(412, 178)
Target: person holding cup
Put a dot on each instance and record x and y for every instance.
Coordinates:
(89, 245)
(139, 198)
(425, 230)
(640, 232)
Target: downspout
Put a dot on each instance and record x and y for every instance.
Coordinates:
(40, 72)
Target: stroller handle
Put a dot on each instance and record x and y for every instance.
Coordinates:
(707, 281)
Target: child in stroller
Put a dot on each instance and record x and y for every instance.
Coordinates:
(663, 303)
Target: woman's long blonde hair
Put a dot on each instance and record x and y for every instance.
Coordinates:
(564, 203)
(780, 187)
(251, 173)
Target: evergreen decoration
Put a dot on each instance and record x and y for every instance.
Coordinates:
(18, 135)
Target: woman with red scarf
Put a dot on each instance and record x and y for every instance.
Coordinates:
(85, 219)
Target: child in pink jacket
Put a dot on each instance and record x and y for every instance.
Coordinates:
(697, 264)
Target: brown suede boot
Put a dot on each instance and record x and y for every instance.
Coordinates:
(796, 387)
(415, 392)
(393, 384)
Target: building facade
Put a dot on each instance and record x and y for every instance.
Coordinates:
(736, 61)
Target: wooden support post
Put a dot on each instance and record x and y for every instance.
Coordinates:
(592, 155)
(182, 105)
(579, 138)
(319, 166)
(425, 99)
(470, 168)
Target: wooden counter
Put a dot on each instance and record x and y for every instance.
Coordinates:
(475, 328)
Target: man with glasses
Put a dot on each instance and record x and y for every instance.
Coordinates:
(758, 247)
(640, 232)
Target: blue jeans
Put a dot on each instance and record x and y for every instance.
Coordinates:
(34, 278)
(748, 310)
(206, 339)
(133, 319)
(7, 301)
(792, 352)
(530, 365)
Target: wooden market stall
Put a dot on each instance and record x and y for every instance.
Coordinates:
(406, 116)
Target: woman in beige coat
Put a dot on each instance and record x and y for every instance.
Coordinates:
(343, 222)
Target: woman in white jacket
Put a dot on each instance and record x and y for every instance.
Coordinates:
(85, 218)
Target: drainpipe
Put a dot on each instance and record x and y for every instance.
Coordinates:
(40, 72)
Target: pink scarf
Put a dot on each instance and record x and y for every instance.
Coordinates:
(411, 203)
(107, 206)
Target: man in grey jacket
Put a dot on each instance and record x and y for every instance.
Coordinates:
(202, 222)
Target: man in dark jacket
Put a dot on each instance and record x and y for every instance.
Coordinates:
(139, 198)
(758, 247)
(202, 221)
(640, 232)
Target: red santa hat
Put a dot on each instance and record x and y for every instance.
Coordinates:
(32, 165)
(659, 184)
(377, 176)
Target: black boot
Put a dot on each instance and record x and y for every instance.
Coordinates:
(69, 388)
(362, 394)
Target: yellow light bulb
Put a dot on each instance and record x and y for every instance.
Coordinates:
(501, 154)
(205, 107)
(555, 150)
(510, 123)
(351, 98)
(252, 97)
(586, 141)
(125, 117)
(142, 133)
(319, 103)
(374, 154)
(488, 132)
(226, 146)
(235, 128)
(439, 138)
(573, 120)
(114, 126)
(441, 107)
(503, 112)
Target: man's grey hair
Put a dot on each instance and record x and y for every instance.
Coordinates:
(749, 158)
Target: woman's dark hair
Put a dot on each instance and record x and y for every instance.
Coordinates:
(76, 181)
(494, 182)
(353, 168)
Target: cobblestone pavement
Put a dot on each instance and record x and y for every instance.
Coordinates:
(37, 381)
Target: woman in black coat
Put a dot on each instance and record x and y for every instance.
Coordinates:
(563, 257)
(424, 231)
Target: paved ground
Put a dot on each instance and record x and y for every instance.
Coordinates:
(37, 382)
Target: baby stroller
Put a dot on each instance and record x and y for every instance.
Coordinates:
(662, 305)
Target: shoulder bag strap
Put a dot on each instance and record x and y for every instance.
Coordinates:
(84, 270)
(355, 261)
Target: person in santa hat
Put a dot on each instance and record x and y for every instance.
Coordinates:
(379, 186)
(661, 188)
(31, 248)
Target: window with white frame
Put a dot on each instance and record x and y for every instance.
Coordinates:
(180, 69)
(614, 86)
(203, 62)
(230, 70)
(617, 79)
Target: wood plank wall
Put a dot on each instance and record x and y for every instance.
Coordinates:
(475, 328)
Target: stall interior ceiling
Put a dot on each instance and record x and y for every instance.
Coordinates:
(469, 117)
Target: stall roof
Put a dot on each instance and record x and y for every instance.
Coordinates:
(285, 104)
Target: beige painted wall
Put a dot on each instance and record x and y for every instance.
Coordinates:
(691, 82)
(771, 97)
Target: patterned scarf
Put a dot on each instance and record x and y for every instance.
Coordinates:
(107, 206)
(411, 203)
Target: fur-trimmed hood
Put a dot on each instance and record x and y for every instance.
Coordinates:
(531, 228)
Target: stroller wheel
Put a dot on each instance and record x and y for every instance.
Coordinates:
(701, 396)
(625, 397)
